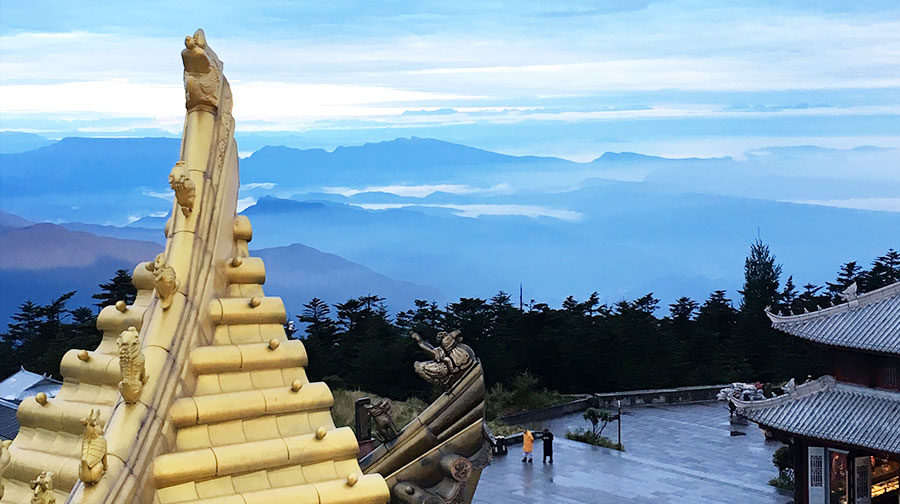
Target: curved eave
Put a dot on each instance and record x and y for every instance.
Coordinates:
(869, 322)
(853, 303)
(833, 411)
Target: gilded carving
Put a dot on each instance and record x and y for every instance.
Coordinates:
(93, 449)
(380, 413)
(131, 365)
(456, 471)
(42, 489)
(5, 459)
(201, 74)
(185, 189)
(451, 359)
(163, 280)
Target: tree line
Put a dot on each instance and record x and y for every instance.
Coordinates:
(586, 346)
(582, 346)
(39, 335)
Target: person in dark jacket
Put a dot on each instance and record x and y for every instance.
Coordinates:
(547, 436)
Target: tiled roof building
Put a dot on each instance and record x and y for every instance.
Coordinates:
(844, 428)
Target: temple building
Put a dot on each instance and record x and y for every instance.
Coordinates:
(843, 428)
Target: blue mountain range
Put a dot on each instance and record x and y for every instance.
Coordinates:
(623, 225)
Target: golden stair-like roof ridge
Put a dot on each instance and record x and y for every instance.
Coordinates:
(254, 429)
(214, 405)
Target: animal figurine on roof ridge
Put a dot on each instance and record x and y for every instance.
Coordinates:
(93, 450)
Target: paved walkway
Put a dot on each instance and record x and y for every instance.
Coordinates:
(675, 454)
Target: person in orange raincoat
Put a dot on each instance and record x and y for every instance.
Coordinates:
(527, 446)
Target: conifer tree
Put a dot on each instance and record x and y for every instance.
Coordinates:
(762, 345)
(885, 270)
(789, 294)
(849, 273)
(321, 339)
(119, 288)
(683, 309)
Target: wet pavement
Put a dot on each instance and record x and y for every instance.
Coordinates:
(674, 454)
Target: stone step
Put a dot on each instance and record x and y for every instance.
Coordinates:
(249, 404)
(245, 270)
(207, 463)
(252, 310)
(241, 334)
(217, 383)
(366, 489)
(261, 428)
(273, 354)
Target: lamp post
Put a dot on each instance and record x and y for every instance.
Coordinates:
(619, 416)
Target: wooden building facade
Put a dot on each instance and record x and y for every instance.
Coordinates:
(843, 428)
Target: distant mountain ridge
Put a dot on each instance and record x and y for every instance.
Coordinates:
(8, 220)
(116, 180)
(407, 160)
(490, 221)
(18, 141)
(41, 261)
(43, 246)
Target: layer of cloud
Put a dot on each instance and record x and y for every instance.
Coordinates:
(880, 204)
(478, 210)
(419, 191)
(299, 67)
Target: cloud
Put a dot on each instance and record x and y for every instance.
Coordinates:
(166, 195)
(881, 204)
(245, 203)
(478, 210)
(258, 185)
(432, 112)
(423, 65)
(418, 191)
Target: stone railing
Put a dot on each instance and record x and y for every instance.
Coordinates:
(629, 399)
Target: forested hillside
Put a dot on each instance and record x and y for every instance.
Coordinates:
(581, 346)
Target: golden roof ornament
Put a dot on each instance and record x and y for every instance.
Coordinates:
(42, 489)
(93, 449)
(163, 280)
(202, 84)
(5, 459)
(385, 428)
(185, 189)
(131, 365)
(450, 359)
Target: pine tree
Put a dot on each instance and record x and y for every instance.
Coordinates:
(761, 279)
(789, 294)
(683, 309)
(24, 327)
(321, 339)
(570, 304)
(591, 303)
(848, 274)
(119, 288)
(762, 345)
(885, 270)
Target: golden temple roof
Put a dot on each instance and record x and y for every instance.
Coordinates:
(212, 404)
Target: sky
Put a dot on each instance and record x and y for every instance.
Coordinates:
(572, 79)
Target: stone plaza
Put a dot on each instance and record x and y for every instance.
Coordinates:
(674, 454)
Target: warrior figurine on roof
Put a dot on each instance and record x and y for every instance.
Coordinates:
(451, 359)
